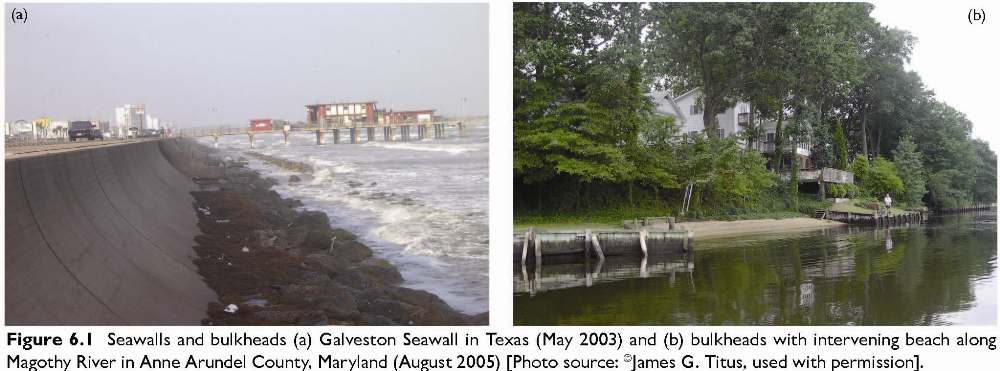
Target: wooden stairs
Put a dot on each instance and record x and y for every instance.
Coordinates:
(820, 214)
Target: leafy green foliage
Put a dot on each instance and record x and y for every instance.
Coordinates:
(946, 191)
(910, 165)
(841, 143)
(587, 142)
(876, 179)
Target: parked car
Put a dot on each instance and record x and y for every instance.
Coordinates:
(84, 129)
(149, 133)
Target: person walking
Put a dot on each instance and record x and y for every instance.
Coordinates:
(888, 203)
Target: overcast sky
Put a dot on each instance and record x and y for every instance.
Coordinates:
(955, 59)
(196, 64)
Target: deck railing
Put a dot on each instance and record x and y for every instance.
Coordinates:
(830, 175)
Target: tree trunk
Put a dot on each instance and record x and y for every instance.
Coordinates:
(538, 198)
(777, 141)
(630, 200)
(751, 126)
(878, 141)
(864, 132)
(710, 119)
(579, 199)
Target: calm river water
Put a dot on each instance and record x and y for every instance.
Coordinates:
(943, 272)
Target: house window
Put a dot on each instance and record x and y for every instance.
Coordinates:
(770, 138)
(696, 110)
(721, 132)
(743, 118)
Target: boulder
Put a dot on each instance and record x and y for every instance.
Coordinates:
(379, 270)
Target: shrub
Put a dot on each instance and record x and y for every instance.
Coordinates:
(877, 178)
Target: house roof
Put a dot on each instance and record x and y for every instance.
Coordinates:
(673, 104)
(688, 93)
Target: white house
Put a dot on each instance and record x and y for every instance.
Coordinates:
(689, 116)
(688, 113)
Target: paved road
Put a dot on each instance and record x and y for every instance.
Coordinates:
(101, 236)
(14, 152)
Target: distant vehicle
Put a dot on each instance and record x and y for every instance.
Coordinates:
(84, 129)
(149, 133)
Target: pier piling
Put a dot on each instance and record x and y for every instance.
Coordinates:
(642, 243)
(598, 249)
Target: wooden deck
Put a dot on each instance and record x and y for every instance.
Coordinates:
(829, 175)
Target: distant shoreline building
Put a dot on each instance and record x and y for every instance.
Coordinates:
(130, 116)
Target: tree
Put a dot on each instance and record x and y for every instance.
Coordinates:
(841, 143)
(984, 189)
(909, 164)
(579, 105)
(703, 45)
(876, 178)
(885, 51)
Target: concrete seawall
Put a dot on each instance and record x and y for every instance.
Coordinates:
(101, 236)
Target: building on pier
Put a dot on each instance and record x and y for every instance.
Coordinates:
(361, 114)
(343, 114)
(408, 117)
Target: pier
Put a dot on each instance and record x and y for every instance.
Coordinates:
(343, 134)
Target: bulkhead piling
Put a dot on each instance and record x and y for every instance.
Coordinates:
(600, 243)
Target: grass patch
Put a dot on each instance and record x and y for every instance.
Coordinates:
(614, 217)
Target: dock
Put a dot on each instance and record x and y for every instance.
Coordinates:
(534, 245)
(343, 134)
(877, 219)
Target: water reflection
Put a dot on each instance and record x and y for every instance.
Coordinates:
(587, 273)
(938, 273)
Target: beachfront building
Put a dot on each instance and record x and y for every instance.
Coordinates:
(408, 117)
(686, 109)
(130, 116)
(361, 114)
(343, 114)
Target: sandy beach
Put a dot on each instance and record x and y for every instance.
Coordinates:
(706, 230)
(719, 229)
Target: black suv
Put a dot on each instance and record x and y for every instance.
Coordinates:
(84, 129)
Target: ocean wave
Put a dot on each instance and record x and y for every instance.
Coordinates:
(449, 149)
